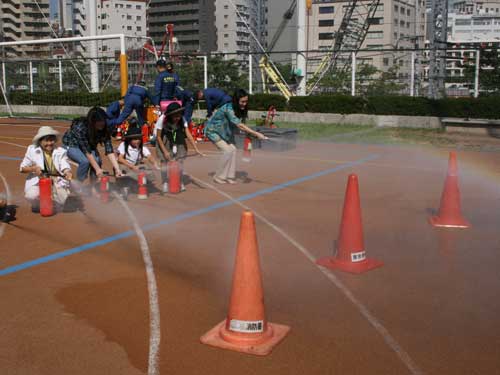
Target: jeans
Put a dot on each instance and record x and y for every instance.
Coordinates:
(80, 158)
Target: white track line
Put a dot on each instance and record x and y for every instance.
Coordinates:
(14, 144)
(8, 197)
(154, 307)
(390, 341)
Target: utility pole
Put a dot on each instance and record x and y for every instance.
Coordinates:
(437, 58)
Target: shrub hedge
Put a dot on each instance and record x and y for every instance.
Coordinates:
(483, 107)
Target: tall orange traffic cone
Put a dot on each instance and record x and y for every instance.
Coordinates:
(350, 253)
(104, 189)
(246, 328)
(450, 212)
(119, 133)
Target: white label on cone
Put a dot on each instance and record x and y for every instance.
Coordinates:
(144, 180)
(358, 257)
(174, 149)
(246, 326)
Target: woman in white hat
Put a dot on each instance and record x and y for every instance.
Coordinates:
(43, 157)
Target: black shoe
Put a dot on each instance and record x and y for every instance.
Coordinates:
(35, 209)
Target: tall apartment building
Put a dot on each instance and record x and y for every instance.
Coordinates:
(113, 17)
(22, 20)
(193, 20)
(120, 17)
(243, 30)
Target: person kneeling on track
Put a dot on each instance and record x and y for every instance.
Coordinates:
(81, 141)
(44, 158)
(131, 153)
(171, 133)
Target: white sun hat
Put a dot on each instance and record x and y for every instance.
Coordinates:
(44, 131)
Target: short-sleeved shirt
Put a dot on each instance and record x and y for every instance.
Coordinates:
(175, 133)
(221, 125)
(133, 156)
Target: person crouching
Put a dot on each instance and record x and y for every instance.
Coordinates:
(43, 157)
(131, 154)
(171, 133)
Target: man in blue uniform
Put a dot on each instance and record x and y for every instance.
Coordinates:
(214, 98)
(166, 82)
(133, 100)
(113, 110)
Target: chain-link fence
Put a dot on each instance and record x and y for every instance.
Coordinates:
(64, 76)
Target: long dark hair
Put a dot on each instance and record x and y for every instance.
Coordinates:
(242, 114)
(96, 114)
(127, 143)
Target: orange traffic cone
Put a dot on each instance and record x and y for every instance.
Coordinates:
(450, 212)
(350, 253)
(246, 328)
(142, 192)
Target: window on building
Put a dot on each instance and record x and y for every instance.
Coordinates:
(396, 22)
(226, 6)
(326, 10)
(104, 48)
(138, 7)
(226, 16)
(138, 18)
(139, 28)
(325, 23)
(226, 45)
(395, 36)
(402, 10)
(407, 24)
(396, 8)
(103, 16)
(104, 27)
(226, 35)
(375, 35)
(376, 21)
(385, 61)
(129, 28)
(129, 17)
(374, 46)
(325, 36)
(225, 26)
(129, 6)
(402, 23)
(380, 8)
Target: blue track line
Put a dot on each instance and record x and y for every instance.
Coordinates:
(181, 217)
(9, 158)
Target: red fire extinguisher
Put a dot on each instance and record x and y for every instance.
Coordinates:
(247, 149)
(143, 189)
(174, 177)
(46, 204)
(105, 189)
(145, 133)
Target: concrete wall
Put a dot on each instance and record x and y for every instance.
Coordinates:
(291, 117)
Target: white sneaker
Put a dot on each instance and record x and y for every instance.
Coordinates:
(183, 188)
(165, 187)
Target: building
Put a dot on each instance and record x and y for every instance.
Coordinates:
(233, 27)
(474, 21)
(120, 17)
(193, 20)
(396, 24)
(22, 20)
